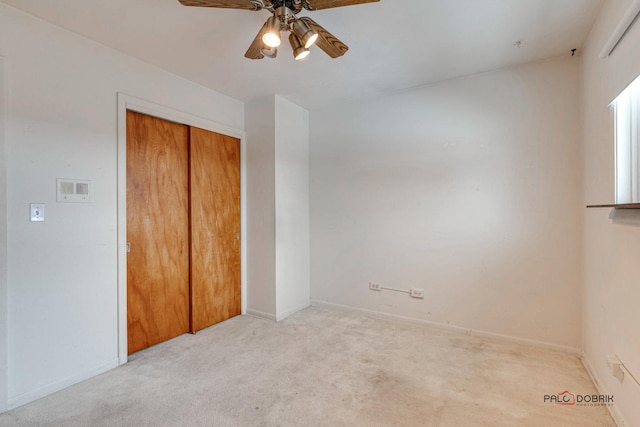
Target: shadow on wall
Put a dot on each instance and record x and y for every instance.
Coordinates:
(625, 216)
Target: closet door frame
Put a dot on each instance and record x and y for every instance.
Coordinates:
(127, 102)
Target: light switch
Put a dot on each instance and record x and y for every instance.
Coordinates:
(37, 212)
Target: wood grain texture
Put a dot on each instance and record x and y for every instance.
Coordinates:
(326, 41)
(227, 4)
(157, 228)
(215, 222)
(327, 4)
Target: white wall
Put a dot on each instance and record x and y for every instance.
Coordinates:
(62, 122)
(468, 189)
(278, 187)
(261, 205)
(611, 238)
(292, 208)
(4, 369)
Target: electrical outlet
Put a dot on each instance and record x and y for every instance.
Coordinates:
(417, 293)
(375, 286)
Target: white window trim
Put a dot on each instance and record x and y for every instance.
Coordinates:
(627, 150)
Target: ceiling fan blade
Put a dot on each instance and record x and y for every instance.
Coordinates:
(326, 41)
(326, 4)
(254, 50)
(229, 4)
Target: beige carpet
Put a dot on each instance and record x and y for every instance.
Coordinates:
(324, 368)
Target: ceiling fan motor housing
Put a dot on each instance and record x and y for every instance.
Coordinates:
(294, 5)
(286, 17)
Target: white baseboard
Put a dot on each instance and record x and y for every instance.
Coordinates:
(613, 410)
(500, 337)
(285, 314)
(30, 396)
(278, 316)
(261, 314)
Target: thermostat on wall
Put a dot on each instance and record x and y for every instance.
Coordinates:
(73, 191)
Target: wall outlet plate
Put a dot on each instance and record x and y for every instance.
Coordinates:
(375, 286)
(417, 293)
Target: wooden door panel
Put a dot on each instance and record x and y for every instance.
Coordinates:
(157, 229)
(215, 223)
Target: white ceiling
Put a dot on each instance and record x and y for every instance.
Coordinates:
(394, 44)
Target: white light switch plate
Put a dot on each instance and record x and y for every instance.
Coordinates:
(37, 212)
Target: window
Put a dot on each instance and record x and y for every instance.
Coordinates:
(627, 118)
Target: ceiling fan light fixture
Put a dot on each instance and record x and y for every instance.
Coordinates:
(304, 33)
(284, 17)
(271, 37)
(269, 52)
(299, 51)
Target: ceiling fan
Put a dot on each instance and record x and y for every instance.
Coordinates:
(304, 32)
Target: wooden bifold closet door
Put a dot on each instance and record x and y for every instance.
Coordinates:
(183, 225)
